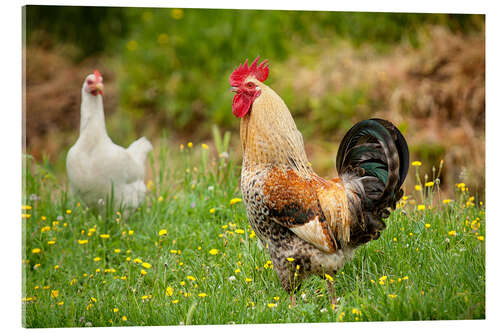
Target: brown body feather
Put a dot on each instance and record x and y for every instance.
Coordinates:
(296, 213)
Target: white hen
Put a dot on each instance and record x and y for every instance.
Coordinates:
(95, 165)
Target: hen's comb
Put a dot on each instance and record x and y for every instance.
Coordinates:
(97, 75)
(240, 73)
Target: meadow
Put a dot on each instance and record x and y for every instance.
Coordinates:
(187, 256)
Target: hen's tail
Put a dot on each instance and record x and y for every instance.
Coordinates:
(373, 163)
(139, 149)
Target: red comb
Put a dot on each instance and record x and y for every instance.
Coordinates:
(261, 72)
(97, 74)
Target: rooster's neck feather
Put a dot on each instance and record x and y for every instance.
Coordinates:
(269, 135)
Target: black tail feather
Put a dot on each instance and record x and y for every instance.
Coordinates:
(373, 154)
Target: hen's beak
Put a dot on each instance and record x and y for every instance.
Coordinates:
(235, 89)
(99, 87)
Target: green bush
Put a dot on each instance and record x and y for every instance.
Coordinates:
(176, 62)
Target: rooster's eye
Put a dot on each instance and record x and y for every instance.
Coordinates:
(89, 81)
(250, 85)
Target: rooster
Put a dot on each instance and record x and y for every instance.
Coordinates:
(311, 225)
(97, 168)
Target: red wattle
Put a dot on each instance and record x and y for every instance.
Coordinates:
(241, 105)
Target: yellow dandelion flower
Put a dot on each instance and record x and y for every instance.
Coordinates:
(239, 231)
(137, 261)
(427, 225)
(104, 236)
(234, 201)
(452, 233)
(290, 259)
(429, 184)
(446, 201)
(175, 301)
(192, 278)
(392, 296)
(248, 280)
(202, 295)
(36, 250)
(421, 207)
(169, 291)
(177, 13)
(60, 303)
(117, 250)
(183, 283)
(212, 210)
(204, 146)
(213, 252)
(418, 188)
(146, 265)
(68, 211)
(45, 229)
(124, 318)
(272, 305)
(237, 270)
(162, 232)
(96, 259)
(132, 45)
(131, 232)
(54, 293)
(416, 163)
(480, 238)
(356, 311)
(160, 198)
(51, 242)
(56, 267)
(143, 272)
(115, 310)
(329, 277)
(405, 277)
(395, 239)
(25, 216)
(27, 207)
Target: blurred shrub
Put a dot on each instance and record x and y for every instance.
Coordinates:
(176, 61)
(90, 29)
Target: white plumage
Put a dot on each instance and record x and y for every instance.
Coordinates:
(95, 165)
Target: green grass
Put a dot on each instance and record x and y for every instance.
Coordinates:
(433, 275)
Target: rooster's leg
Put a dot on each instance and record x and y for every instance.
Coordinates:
(331, 292)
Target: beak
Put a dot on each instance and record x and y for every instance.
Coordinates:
(99, 86)
(234, 89)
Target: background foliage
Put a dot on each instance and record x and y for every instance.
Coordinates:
(166, 71)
